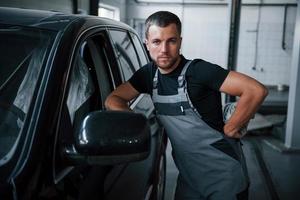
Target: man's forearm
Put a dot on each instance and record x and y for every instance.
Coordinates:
(119, 98)
(114, 102)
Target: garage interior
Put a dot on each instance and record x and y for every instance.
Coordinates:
(257, 37)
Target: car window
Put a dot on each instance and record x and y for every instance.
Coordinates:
(98, 48)
(82, 97)
(125, 53)
(139, 48)
(22, 55)
(89, 82)
(81, 87)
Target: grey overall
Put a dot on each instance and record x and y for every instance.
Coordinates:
(206, 171)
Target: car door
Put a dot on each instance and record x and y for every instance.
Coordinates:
(122, 181)
(95, 72)
(24, 54)
(88, 84)
(93, 75)
(130, 58)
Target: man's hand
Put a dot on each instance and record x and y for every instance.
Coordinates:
(251, 93)
(228, 111)
(232, 131)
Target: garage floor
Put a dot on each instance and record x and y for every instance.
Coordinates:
(273, 170)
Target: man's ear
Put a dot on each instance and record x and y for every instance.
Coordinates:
(180, 41)
(146, 44)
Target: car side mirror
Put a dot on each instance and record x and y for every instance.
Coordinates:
(110, 137)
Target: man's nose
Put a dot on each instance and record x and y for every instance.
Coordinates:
(164, 47)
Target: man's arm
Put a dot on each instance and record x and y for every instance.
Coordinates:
(251, 93)
(119, 98)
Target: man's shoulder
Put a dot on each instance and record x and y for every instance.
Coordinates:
(148, 67)
(204, 70)
(200, 65)
(146, 72)
(141, 79)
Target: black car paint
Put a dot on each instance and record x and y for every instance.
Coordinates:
(33, 169)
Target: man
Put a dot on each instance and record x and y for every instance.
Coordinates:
(186, 95)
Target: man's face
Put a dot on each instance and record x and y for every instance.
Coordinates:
(164, 44)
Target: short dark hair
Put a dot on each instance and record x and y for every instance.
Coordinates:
(162, 19)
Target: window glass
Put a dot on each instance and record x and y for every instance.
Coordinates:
(139, 26)
(81, 87)
(125, 53)
(82, 97)
(22, 55)
(139, 49)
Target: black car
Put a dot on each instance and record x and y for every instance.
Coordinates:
(57, 141)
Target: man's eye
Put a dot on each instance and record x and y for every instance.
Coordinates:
(174, 41)
(156, 42)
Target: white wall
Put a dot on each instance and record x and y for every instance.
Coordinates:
(273, 63)
(270, 1)
(57, 5)
(206, 35)
(121, 4)
(139, 12)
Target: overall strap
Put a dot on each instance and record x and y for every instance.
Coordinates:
(172, 104)
(181, 77)
(182, 86)
(155, 78)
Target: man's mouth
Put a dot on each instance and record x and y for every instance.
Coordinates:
(163, 58)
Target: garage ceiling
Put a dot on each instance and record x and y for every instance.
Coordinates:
(179, 1)
(219, 1)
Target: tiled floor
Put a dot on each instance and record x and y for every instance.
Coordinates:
(282, 174)
(274, 173)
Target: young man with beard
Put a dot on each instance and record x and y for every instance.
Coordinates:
(187, 98)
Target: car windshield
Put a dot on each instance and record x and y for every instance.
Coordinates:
(22, 55)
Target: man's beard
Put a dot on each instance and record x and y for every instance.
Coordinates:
(171, 63)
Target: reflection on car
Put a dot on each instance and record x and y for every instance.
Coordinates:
(57, 141)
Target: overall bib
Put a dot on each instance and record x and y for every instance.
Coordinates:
(211, 165)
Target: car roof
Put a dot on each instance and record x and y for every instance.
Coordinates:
(50, 19)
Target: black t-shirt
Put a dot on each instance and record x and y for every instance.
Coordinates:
(203, 82)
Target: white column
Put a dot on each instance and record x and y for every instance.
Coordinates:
(292, 138)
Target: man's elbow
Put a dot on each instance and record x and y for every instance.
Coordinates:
(115, 102)
(261, 92)
(107, 102)
(266, 92)
(110, 102)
